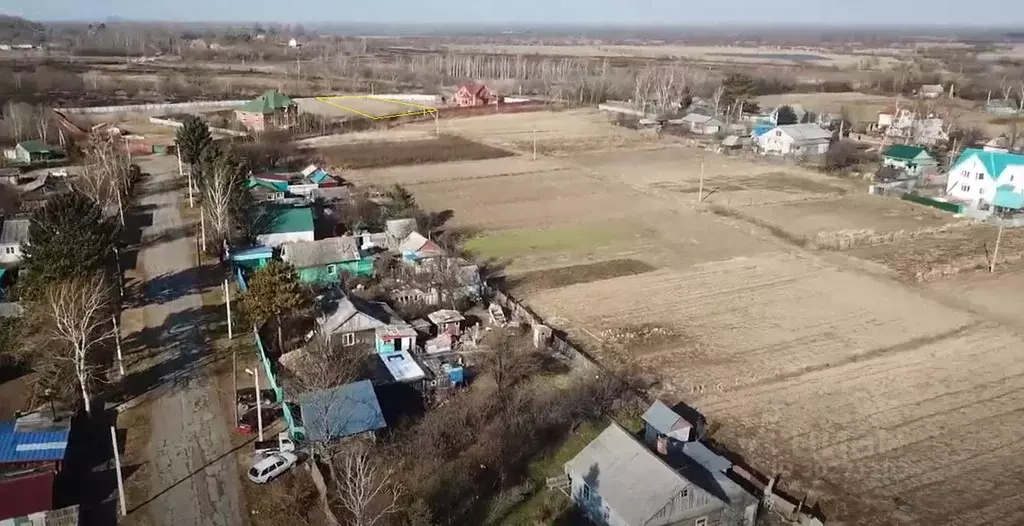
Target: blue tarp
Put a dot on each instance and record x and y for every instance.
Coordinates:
(341, 411)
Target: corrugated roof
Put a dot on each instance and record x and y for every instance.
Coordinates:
(631, 479)
(269, 102)
(995, 162)
(445, 316)
(356, 316)
(903, 152)
(663, 419)
(402, 366)
(347, 410)
(10, 309)
(33, 438)
(15, 231)
(321, 252)
(295, 219)
(805, 132)
(420, 246)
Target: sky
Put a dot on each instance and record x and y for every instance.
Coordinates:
(1001, 13)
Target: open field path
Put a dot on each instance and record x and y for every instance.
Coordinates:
(178, 433)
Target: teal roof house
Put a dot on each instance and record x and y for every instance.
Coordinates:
(978, 175)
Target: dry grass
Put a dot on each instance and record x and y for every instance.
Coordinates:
(442, 149)
(842, 380)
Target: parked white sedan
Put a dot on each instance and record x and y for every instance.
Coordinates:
(269, 467)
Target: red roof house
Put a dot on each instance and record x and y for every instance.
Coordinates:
(475, 94)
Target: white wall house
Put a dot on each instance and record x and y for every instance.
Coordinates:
(795, 139)
(977, 173)
(13, 239)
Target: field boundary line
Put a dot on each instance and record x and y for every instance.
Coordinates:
(430, 109)
(346, 108)
(426, 110)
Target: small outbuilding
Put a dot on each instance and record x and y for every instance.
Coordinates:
(287, 225)
(340, 412)
(447, 322)
(13, 239)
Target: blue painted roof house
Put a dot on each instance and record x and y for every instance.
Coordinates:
(339, 412)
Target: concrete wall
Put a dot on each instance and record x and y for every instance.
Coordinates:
(176, 124)
(162, 107)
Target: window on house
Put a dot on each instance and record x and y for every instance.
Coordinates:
(685, 492)
(981, 176)
(348, 339)
(981, 191)
(1011, 178)
(703, 521)
(586, 492)
(332, 270)
(10, 250)
(965, 188)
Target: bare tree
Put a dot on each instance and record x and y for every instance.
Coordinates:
(105, 178)
(76, 314)
(325, 363)
(221, 183)
(366, 489)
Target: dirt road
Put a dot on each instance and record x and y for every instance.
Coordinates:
(185, 474)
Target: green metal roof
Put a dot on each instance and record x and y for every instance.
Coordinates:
(269, 102)
(275, 186)
(298, 219)
(904, 152)
(995, 162)
(38, 147)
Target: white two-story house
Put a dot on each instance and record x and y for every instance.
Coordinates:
(978, 174)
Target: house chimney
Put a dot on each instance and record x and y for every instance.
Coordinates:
(662, 445)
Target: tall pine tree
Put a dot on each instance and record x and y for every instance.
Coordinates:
(69, 236)
(192, 139)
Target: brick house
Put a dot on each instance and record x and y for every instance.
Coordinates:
(270, 110)
(475, 94)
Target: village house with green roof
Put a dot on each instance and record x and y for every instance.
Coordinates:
(285, 224)
(29, 152)
(913, 160)
(272, 110)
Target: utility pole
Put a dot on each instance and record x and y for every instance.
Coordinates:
(255, 372)
(700, 187)
(234, 383)
(117, 344)
(995, 252)
(227, 297)
(437, 124)
(117, 466)
(534, 142)
(202, 226)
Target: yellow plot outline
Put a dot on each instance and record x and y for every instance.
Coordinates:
(423, 110)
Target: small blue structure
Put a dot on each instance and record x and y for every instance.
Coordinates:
(456, 374)
(34, 438)
(394, 338)
(252, 258)
(760, 128)
(340, 412)
(1006, 197)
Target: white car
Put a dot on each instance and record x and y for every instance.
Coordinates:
(268, 468)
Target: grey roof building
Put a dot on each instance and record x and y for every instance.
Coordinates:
(340, 412)
(617, 481)
(321, 252)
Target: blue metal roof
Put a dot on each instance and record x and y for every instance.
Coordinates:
(33, 439)
(341, 411)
